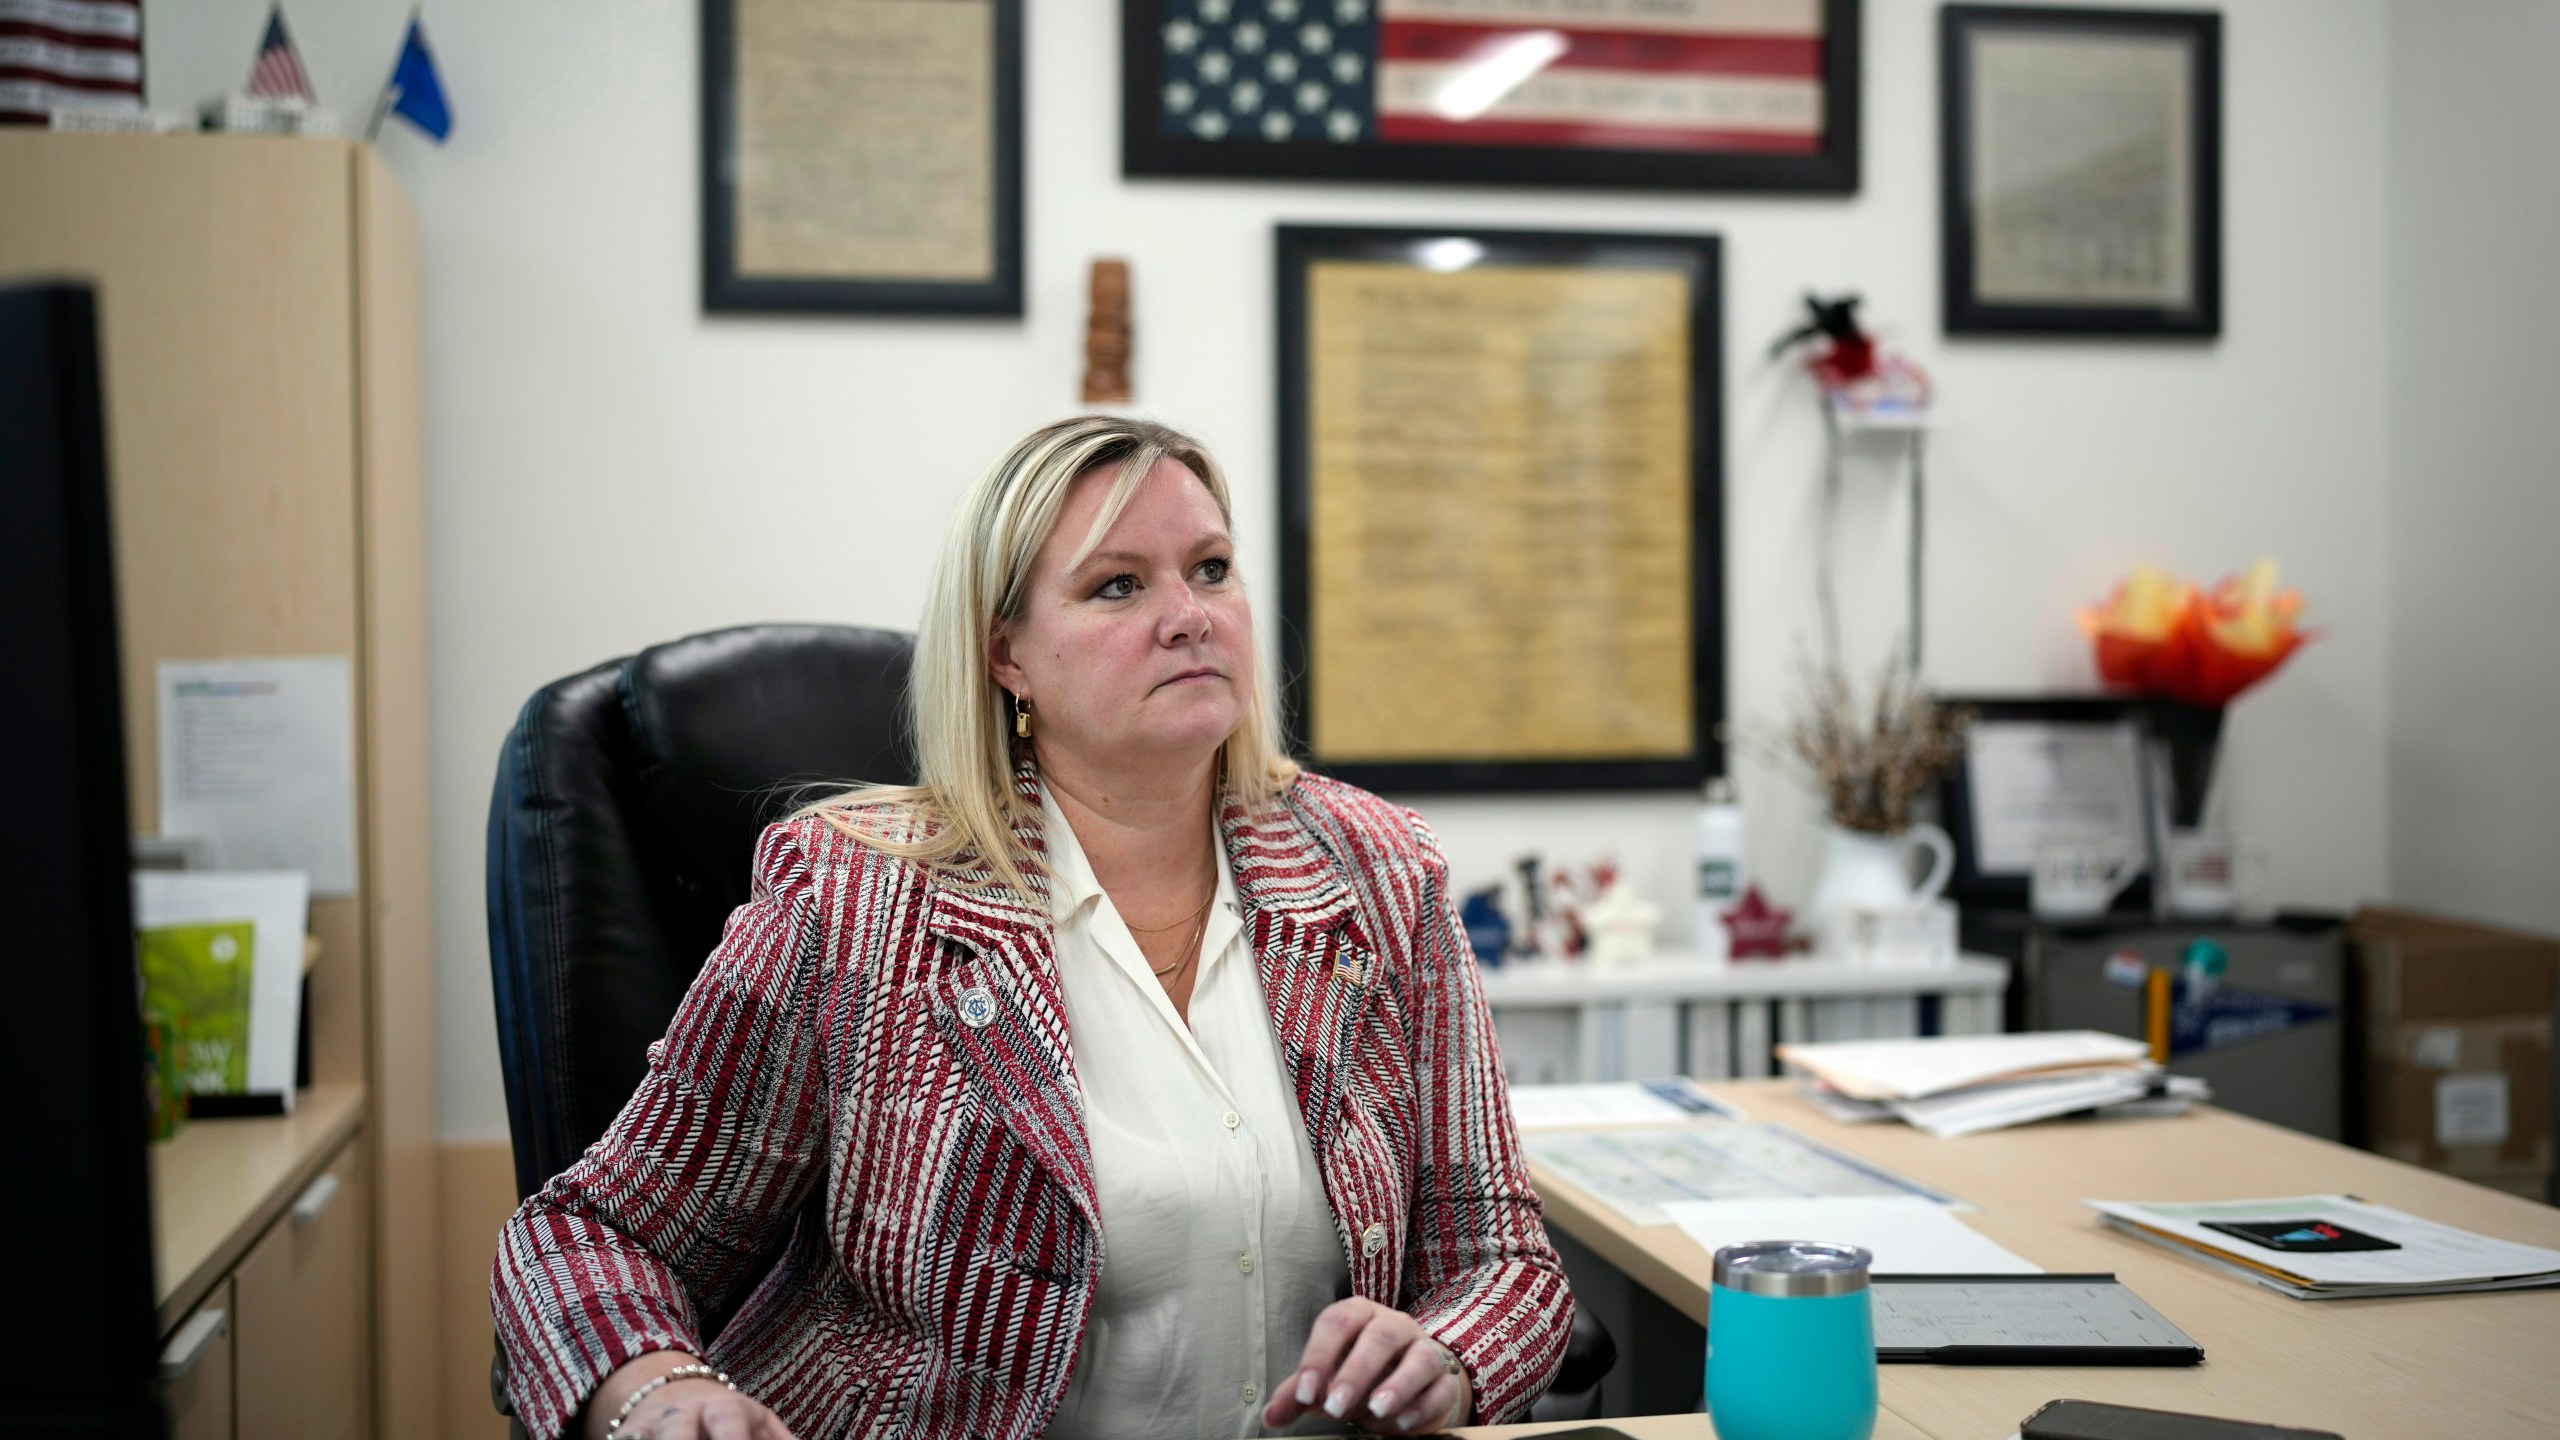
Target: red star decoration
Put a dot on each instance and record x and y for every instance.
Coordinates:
(1759, 928)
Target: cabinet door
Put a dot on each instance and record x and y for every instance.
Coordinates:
(195, 1370)
(304, 1332)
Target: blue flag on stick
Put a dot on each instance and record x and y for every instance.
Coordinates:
(415, 94)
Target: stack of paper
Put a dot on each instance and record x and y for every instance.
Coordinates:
(1962, 1085)
(2333, 1247)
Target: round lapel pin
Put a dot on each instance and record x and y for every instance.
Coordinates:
(977, 1009)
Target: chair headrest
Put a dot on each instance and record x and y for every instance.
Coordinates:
(733, 729)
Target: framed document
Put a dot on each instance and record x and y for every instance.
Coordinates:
(2039, 765)
(2082, 170)
(1501, 507)
(1661, 94)
(862, 156)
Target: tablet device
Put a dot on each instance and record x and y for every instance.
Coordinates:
(2022, 1320)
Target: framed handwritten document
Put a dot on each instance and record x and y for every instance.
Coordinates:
(862, 156)
(2082, 170)
(1501, 507)
(1660, 94)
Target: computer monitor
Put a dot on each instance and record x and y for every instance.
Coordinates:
(76, 1207)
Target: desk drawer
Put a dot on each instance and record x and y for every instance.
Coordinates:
(304, 1325)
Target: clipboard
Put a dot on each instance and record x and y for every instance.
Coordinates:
(2088, 1319)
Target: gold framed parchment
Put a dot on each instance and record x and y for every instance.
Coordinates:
(1501, 507)
(862, 155)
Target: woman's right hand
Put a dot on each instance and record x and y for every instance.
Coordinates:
(689, 1409)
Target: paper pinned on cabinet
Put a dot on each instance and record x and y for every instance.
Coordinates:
(1651, 1102)
(1906, 1234)
(223, 950)
(257, 759)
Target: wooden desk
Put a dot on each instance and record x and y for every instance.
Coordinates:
(2468, 1365)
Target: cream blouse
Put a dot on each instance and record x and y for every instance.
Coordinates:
(1219, 1247)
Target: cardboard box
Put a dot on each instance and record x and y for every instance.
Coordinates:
(2458, 1028)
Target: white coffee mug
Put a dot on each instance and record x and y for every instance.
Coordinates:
(2205, 869)
(2078, 875)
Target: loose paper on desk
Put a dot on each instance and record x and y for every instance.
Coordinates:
(1636, 1172)
(193, 963)
(1906, 1234)
(257, 758)
(2426, 1258)
(1651, 1102)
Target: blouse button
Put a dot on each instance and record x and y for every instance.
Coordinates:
(1373, 1239)
(1232, 1119)
(1244, 1262)
(1252, 1393)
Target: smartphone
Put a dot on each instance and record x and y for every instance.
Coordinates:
(2093, 1420)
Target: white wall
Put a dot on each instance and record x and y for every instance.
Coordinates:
(2475, 459)
(611, 468)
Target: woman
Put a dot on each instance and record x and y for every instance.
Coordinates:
(1116, 1080)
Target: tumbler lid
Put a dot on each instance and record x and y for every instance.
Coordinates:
(1792, 1268)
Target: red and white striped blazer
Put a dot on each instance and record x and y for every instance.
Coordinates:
(866, 1109)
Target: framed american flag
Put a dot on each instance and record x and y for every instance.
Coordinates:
(1628, 94)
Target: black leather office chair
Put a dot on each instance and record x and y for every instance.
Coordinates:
(621, 833)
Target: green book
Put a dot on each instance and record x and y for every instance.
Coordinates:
(200, 973)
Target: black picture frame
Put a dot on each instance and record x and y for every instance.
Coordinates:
(1967, 312)
(725, 289)
(1146, 149)
(1698, 258)
(1970, 883)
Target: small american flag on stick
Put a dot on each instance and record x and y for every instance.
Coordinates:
(68, 54)
(279, 75)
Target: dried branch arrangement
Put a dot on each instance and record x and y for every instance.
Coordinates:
(1870, 763)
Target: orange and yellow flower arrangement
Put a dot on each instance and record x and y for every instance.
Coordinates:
(2159, 634)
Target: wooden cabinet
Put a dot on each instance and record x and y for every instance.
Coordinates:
(301, 1317)
(196, 1373)
(259, 316)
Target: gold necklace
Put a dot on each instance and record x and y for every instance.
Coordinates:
(1185, 920)
(1190, 952)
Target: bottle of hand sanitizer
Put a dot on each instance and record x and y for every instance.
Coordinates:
(1721, 874)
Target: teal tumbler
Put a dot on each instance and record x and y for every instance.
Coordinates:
(1791, 1343)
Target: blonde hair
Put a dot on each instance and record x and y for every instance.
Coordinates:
(964, 803)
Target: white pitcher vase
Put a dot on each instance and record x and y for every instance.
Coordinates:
(1866, 871)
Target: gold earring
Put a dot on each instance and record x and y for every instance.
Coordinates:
(1021, 719)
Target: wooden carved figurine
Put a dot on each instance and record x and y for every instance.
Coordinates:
(1106, 336)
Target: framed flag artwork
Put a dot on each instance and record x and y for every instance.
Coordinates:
(862, 156)
(1501, 507)
(1627, 94)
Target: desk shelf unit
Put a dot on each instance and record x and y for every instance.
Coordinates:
(1566, 1023)
(259, 319)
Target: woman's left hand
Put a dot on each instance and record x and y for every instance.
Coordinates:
(1372, 1365)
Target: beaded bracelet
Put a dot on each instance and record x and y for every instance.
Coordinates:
(694, 1371)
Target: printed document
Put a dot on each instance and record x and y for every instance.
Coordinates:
(1637, 1172)
(1906, 1234)
(1652, 1102)
(2327, 1247)
(257, 759)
